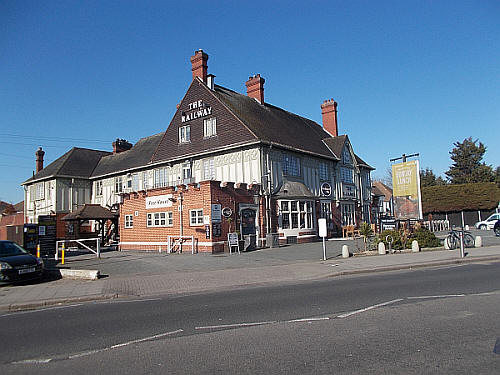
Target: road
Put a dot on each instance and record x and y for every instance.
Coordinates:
(433, 320)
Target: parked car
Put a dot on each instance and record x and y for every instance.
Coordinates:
(496, 228)
(17, 265)
(488, 223)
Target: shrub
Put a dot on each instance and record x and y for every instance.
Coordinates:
(426, 238)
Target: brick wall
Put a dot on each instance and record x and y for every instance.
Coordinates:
(194, 197)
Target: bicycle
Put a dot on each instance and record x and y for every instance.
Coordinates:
(453, 239)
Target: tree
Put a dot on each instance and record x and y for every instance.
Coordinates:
(467, 167)
(497, 176)
(428, 178)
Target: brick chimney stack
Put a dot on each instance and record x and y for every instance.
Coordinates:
(199, 65)
(255, 88)
(121, 145)
(39, 159)
(329, 112)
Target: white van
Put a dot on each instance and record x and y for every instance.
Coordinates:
(489, 223)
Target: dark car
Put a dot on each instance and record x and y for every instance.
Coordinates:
(496, 228)
(17, 265)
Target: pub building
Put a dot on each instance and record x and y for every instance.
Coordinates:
(226, 163)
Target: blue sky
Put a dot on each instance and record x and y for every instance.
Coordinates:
(409, 76)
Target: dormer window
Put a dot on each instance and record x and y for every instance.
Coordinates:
(185, 134)
(210, 127)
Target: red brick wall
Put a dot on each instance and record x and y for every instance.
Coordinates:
(194, 197)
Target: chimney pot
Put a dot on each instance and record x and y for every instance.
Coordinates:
(329, 114)
(255, 88)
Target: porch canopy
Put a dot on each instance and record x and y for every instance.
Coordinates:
(94, 212)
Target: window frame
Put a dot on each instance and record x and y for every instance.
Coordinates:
(185, 134)
(160, 219)
(197, 219)
(129, 221)
(210, 127)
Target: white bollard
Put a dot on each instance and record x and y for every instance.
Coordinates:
(414, 246)
(345, 251)
(381, 248)
(446, 245)
(467, 227)
(478, 241)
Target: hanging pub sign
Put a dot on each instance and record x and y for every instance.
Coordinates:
(326, 189)
(406, 190)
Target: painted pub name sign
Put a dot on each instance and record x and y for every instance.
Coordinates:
(197, 109)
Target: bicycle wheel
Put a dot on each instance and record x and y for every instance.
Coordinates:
(469, 240)
(451, 241)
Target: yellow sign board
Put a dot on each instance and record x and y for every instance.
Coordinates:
(405, 179)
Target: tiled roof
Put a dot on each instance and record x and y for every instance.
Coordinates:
(76, 163)
(274, 125)
(90, 212)
(139, 155)
(384, 190)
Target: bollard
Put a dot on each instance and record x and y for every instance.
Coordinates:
(478, 241)
(345, 251)
(62, 254)
(381, 248)
(446, 244)
(414, 246)
(38, 251)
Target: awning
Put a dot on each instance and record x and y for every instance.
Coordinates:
(293, 190)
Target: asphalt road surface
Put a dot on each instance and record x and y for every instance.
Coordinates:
(429, 321)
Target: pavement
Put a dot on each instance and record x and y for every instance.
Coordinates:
(139, 274)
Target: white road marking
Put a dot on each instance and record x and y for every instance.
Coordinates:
(236, 325)
(369, 308)
(308, 320)
(133, 300)
(33, 361)
(90, 352)
(40, 310)
(438, 296)
(146, 339)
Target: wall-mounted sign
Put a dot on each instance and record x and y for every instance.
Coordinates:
(227, 212)
(326, 189)
(160, 201)
(216, 213)
(196, 109)
(206, 219)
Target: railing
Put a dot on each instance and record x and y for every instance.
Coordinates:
(437, 225)
(66, 246)
(175, 243)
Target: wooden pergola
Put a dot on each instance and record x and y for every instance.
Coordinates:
(91, 212)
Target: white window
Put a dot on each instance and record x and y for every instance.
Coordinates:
(291, 165)
(210, 127)
(145, 183)
(196, 217)
(160, 219)
(135, 182)
(118, 185)
(40, 191)
(323, 171)
(209, 169)
(160, 177)
(346, 156)
(98, 188)
(185, 134)
(346, 175)
(129, 181)
(186, 172)
(129, 221)
(296, 214)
